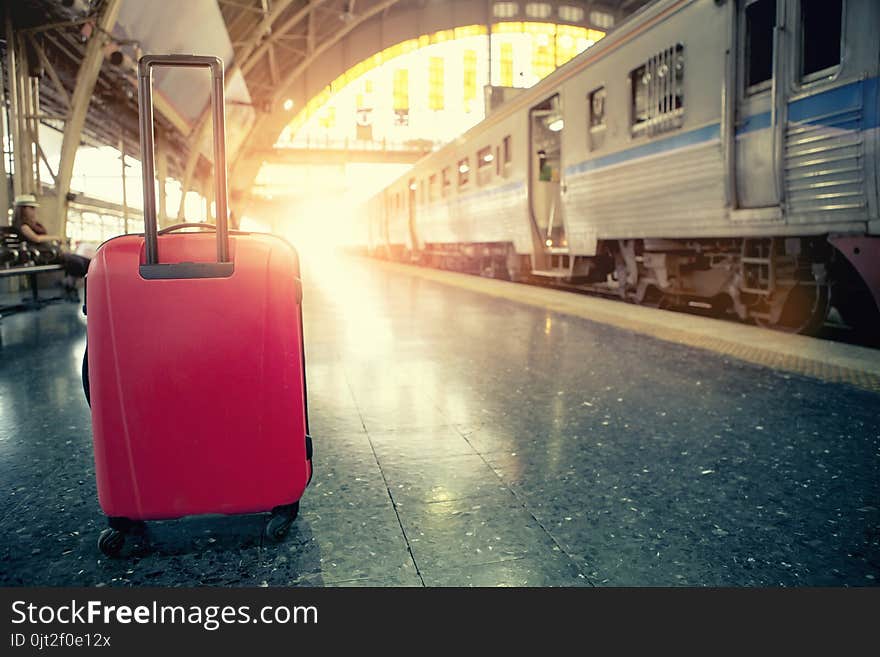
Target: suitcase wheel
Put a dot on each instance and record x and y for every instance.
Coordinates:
(281, 520)
(85, 377)
(110, 542)
(112, 539)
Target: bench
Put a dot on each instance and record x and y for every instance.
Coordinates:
(17, 258)
(34, 302)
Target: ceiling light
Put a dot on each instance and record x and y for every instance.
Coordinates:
(288, 105)
(556, 125)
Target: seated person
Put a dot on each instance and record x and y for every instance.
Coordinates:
(24, 220)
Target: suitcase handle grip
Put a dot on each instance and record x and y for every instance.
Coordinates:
(145, 114)
(204, 226)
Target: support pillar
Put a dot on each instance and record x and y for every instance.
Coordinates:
(32, 85)
(124, 188)
(192, 159)
(4, 180)
(162, 176)
(79, 105)
(14, 111)
(187, 182)
(206, 189)
(24, 168)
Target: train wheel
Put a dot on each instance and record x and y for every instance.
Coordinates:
(804, 310)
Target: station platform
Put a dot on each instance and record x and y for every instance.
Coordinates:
(472, 432)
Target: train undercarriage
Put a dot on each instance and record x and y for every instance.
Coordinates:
(788, 283)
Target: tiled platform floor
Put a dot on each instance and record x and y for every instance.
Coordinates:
(467, 439)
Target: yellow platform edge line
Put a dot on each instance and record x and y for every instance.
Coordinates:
(530, 296)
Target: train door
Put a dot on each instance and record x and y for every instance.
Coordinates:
(545, 160)
(411, 205)
(759, 104)
(825, 143)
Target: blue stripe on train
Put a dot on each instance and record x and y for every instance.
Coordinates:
(812, 109)
(681, 140)
(494, 191)
(861, 95)
(754, 123)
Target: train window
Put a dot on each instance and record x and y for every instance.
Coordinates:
(760, 21)
(432, 188)
(464, 172)
(447, 182)
(538, 10)
(508, 154)
(505, 9)
(485, 158)
(821, 23)
(571, 14)
(658, 92)
(601, 19)
(596, 108)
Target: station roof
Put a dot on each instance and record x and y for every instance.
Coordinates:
(266, 45)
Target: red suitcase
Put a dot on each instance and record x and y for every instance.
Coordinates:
(194, 366)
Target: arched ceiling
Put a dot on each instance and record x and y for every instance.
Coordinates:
(280, 49)
(292, 49)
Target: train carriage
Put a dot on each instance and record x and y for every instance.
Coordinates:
(716, 153)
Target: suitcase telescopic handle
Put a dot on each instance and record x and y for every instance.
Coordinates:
(145, 111)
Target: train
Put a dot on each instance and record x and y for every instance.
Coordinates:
(719, 154)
